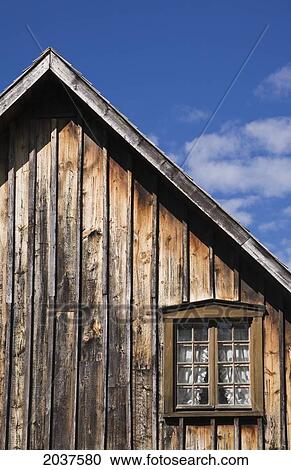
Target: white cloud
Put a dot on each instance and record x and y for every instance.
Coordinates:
(190, 114)
(266, 227)
(236, 206)
(271, 134)
(277, 83)
(252, 158)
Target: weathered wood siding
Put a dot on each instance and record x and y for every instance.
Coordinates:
(5, 319)
(92, 241)
(93, 329)
(44, 273)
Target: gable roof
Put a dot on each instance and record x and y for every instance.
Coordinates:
(51, 60)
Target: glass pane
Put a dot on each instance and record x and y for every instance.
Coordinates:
(184, 396)
(241, 374)
(242, 396)
(200, 396)
(184, 353)
(241, 352)
(225, 395)
(224, 331)
(184, 333)
(200, 375)
(200, 333)
(225, 374)
(201, 353)
(241, 331)
(225, 353)
(185, 375)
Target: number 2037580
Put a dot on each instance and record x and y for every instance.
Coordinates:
(71, 459)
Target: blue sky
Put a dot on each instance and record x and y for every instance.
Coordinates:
(166, 65)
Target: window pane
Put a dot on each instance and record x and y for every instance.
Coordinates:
(225, 374)
(184, 353)
(225, 353)
(241, 374)
(184, 333)
(241, 352)
(200, 396)
(224, 331)
(242, 396)
(200, 375)
(184, 396)
(185, 375)
(225, 395)
(200, 332)
(193, 362)
(241, 331)
(201, 353)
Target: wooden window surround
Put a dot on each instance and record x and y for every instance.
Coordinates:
(213, 359)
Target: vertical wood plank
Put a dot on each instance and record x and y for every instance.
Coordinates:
(213, 433)
(142, 320)
(45, 226)
(52, 284)
(237, 433)
(4, 317)
(120, 193)
(199, 259)
(251, 291)
(181, 433)
(170, 293)
(20, 376)
(251, 282)
(170, 258)
(171, 439)
(91, 421)
(283, 388)
(225, 268)
(10, 277)
(66, 339)
(186, 263)
(225, 436)
(272, 378)
(31, 268)
(261, 441)
(288, 378)
(155, 322)
(105, 281)
(249, 436)
(199, 437)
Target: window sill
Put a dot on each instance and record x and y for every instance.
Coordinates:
(206, 413)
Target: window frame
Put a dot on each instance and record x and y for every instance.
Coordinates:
(213, 310)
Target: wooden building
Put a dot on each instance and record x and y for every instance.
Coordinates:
(135, 312)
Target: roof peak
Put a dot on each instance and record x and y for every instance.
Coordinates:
(46, 52)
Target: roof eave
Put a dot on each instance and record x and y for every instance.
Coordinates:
(23, 83)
